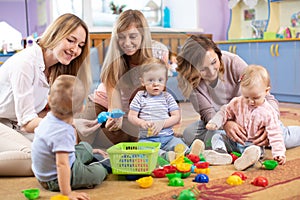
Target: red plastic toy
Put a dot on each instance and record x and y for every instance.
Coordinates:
(159, 173)
(240, 174)
(169, 169)
(194, 158)
(202, 165)
(260, 181)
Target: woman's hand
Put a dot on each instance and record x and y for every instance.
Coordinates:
(235, 132)
(101, 152)
(261, 138)
(114, 124)
(211, 126)
(86, 127)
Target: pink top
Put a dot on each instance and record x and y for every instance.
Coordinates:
(253, 119)
(207, 100)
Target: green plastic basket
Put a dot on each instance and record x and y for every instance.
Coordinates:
(130, 158)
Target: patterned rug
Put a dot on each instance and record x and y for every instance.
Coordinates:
(283, 181)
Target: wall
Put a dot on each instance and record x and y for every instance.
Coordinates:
(14, 13)
(214, 18)
(211, 15)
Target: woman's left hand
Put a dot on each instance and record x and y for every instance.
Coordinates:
(114, 124)
(261, 138)
(101, 152)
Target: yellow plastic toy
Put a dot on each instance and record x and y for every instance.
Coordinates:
(179, 150)
(145, 182)
(59, 197)
(183, 167)
(178, 160)
(202, 171)
(234, 180)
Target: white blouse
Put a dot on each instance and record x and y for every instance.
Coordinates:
(23, 85)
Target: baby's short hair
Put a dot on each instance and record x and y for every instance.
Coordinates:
(153, 64)
(66, 96)
(255, 75)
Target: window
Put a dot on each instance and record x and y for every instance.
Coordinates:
(99, 12)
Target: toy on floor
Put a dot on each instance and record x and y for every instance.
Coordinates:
(175, 179)
(145, 182)
(201, 178)
(189, 194)
(32, 193)
(116, 113)
(59, 197)
(234, 180)
(260, 181)
(240, 174)
(270, 164)
(235, 155)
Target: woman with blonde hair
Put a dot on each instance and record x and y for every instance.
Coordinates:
(129, 47)
(24, 86)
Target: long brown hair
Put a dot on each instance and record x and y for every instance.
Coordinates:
(116, 64)
(192, 55)
(59, 30)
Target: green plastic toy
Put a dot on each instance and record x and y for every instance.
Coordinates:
(270, 164)
(32, 193)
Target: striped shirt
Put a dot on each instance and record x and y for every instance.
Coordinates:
(154, 108)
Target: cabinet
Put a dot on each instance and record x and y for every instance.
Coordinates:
(280, 57)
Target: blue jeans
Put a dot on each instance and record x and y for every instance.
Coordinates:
(167, 142)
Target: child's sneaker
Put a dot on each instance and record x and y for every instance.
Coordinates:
(217, 157)
(197, 147)
(249, 157)
(171, 155)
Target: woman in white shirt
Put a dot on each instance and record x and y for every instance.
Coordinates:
(24, 85)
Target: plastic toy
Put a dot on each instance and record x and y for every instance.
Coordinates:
(194, 158)
(201, 178)
(187, 160)
(234, 180)
(32, 193)
(270, 164)
(202, 171)
(161, 161)
(59, 197)
(189, 194)
(145, 182)
(183, 167)
(235, 156)
(178, 160)
(185, 174)
(260, 181)
(202, 165)
(177, 182)
(179, 150)
(240, 174)
(116, 113)
(159, 173)
(169, 169)
(173, 175)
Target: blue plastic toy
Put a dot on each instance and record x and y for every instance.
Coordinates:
(116, 113)
(201, 178)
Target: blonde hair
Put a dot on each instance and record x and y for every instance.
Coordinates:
(191, 56)
(152, 65)
(66, 96)
(59, 30)
(115, 64)
(255, 76)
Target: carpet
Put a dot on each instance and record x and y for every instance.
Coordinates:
(283, 183)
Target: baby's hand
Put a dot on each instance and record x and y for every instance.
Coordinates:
(211, 126)
(146, 124)
(280, 159)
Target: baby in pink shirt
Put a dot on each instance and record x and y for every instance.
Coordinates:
(252, 112)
